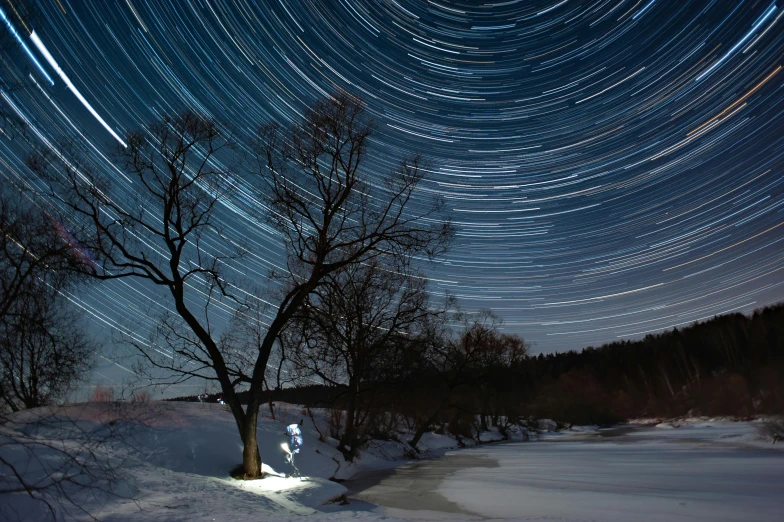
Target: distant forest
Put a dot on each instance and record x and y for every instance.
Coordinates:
(730, 365)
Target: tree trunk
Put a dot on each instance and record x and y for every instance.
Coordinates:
(349, 430)
(419, 433)
(246, 420)
(251, 459)
(422, 428)
(269, 399)
(667, 380)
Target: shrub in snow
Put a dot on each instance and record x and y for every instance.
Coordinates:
(772, 429)
(102, 394)
(548, 425)
(460, 426)
(141, 397)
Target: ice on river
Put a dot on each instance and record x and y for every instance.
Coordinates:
(706, 471)
(177, 468)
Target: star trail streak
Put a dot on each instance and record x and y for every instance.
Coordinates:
(614, 167)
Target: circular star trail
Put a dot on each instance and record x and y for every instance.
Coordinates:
(613, 167)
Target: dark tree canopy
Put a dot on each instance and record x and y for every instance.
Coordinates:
(315, 186)
(357, 332)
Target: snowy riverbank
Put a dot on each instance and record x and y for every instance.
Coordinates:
(177, 469)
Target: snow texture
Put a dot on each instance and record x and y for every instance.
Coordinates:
(177, 469)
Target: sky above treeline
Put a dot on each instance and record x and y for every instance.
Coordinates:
(613, 167)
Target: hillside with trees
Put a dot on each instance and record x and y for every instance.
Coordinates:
(730, 365)
(476, 377)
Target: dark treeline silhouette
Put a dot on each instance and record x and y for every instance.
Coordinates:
(730, 365)
(314, 396)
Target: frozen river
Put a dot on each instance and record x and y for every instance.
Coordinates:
(708, 471)
(175, 469)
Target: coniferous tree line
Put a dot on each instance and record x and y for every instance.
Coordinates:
(472, 377)
(730, 365)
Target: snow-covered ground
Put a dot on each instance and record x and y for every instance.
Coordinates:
(178, 469)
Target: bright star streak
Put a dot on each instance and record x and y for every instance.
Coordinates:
(24, 46)
(49, 58)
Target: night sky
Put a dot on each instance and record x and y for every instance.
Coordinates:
(614, 167)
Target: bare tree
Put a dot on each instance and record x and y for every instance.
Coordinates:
(44, 349)
(357, 331)
(35, 253)
(462, 357)
(44, 352)
(45, 454)
(166, 233)
(316, 192)
(331, 218)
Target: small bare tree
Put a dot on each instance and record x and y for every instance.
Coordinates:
(44, 349)
(357, 330)
(316, 192)
(46, 456)
(35, 253)
(772, 428)
(44, 352)
(463, 358)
